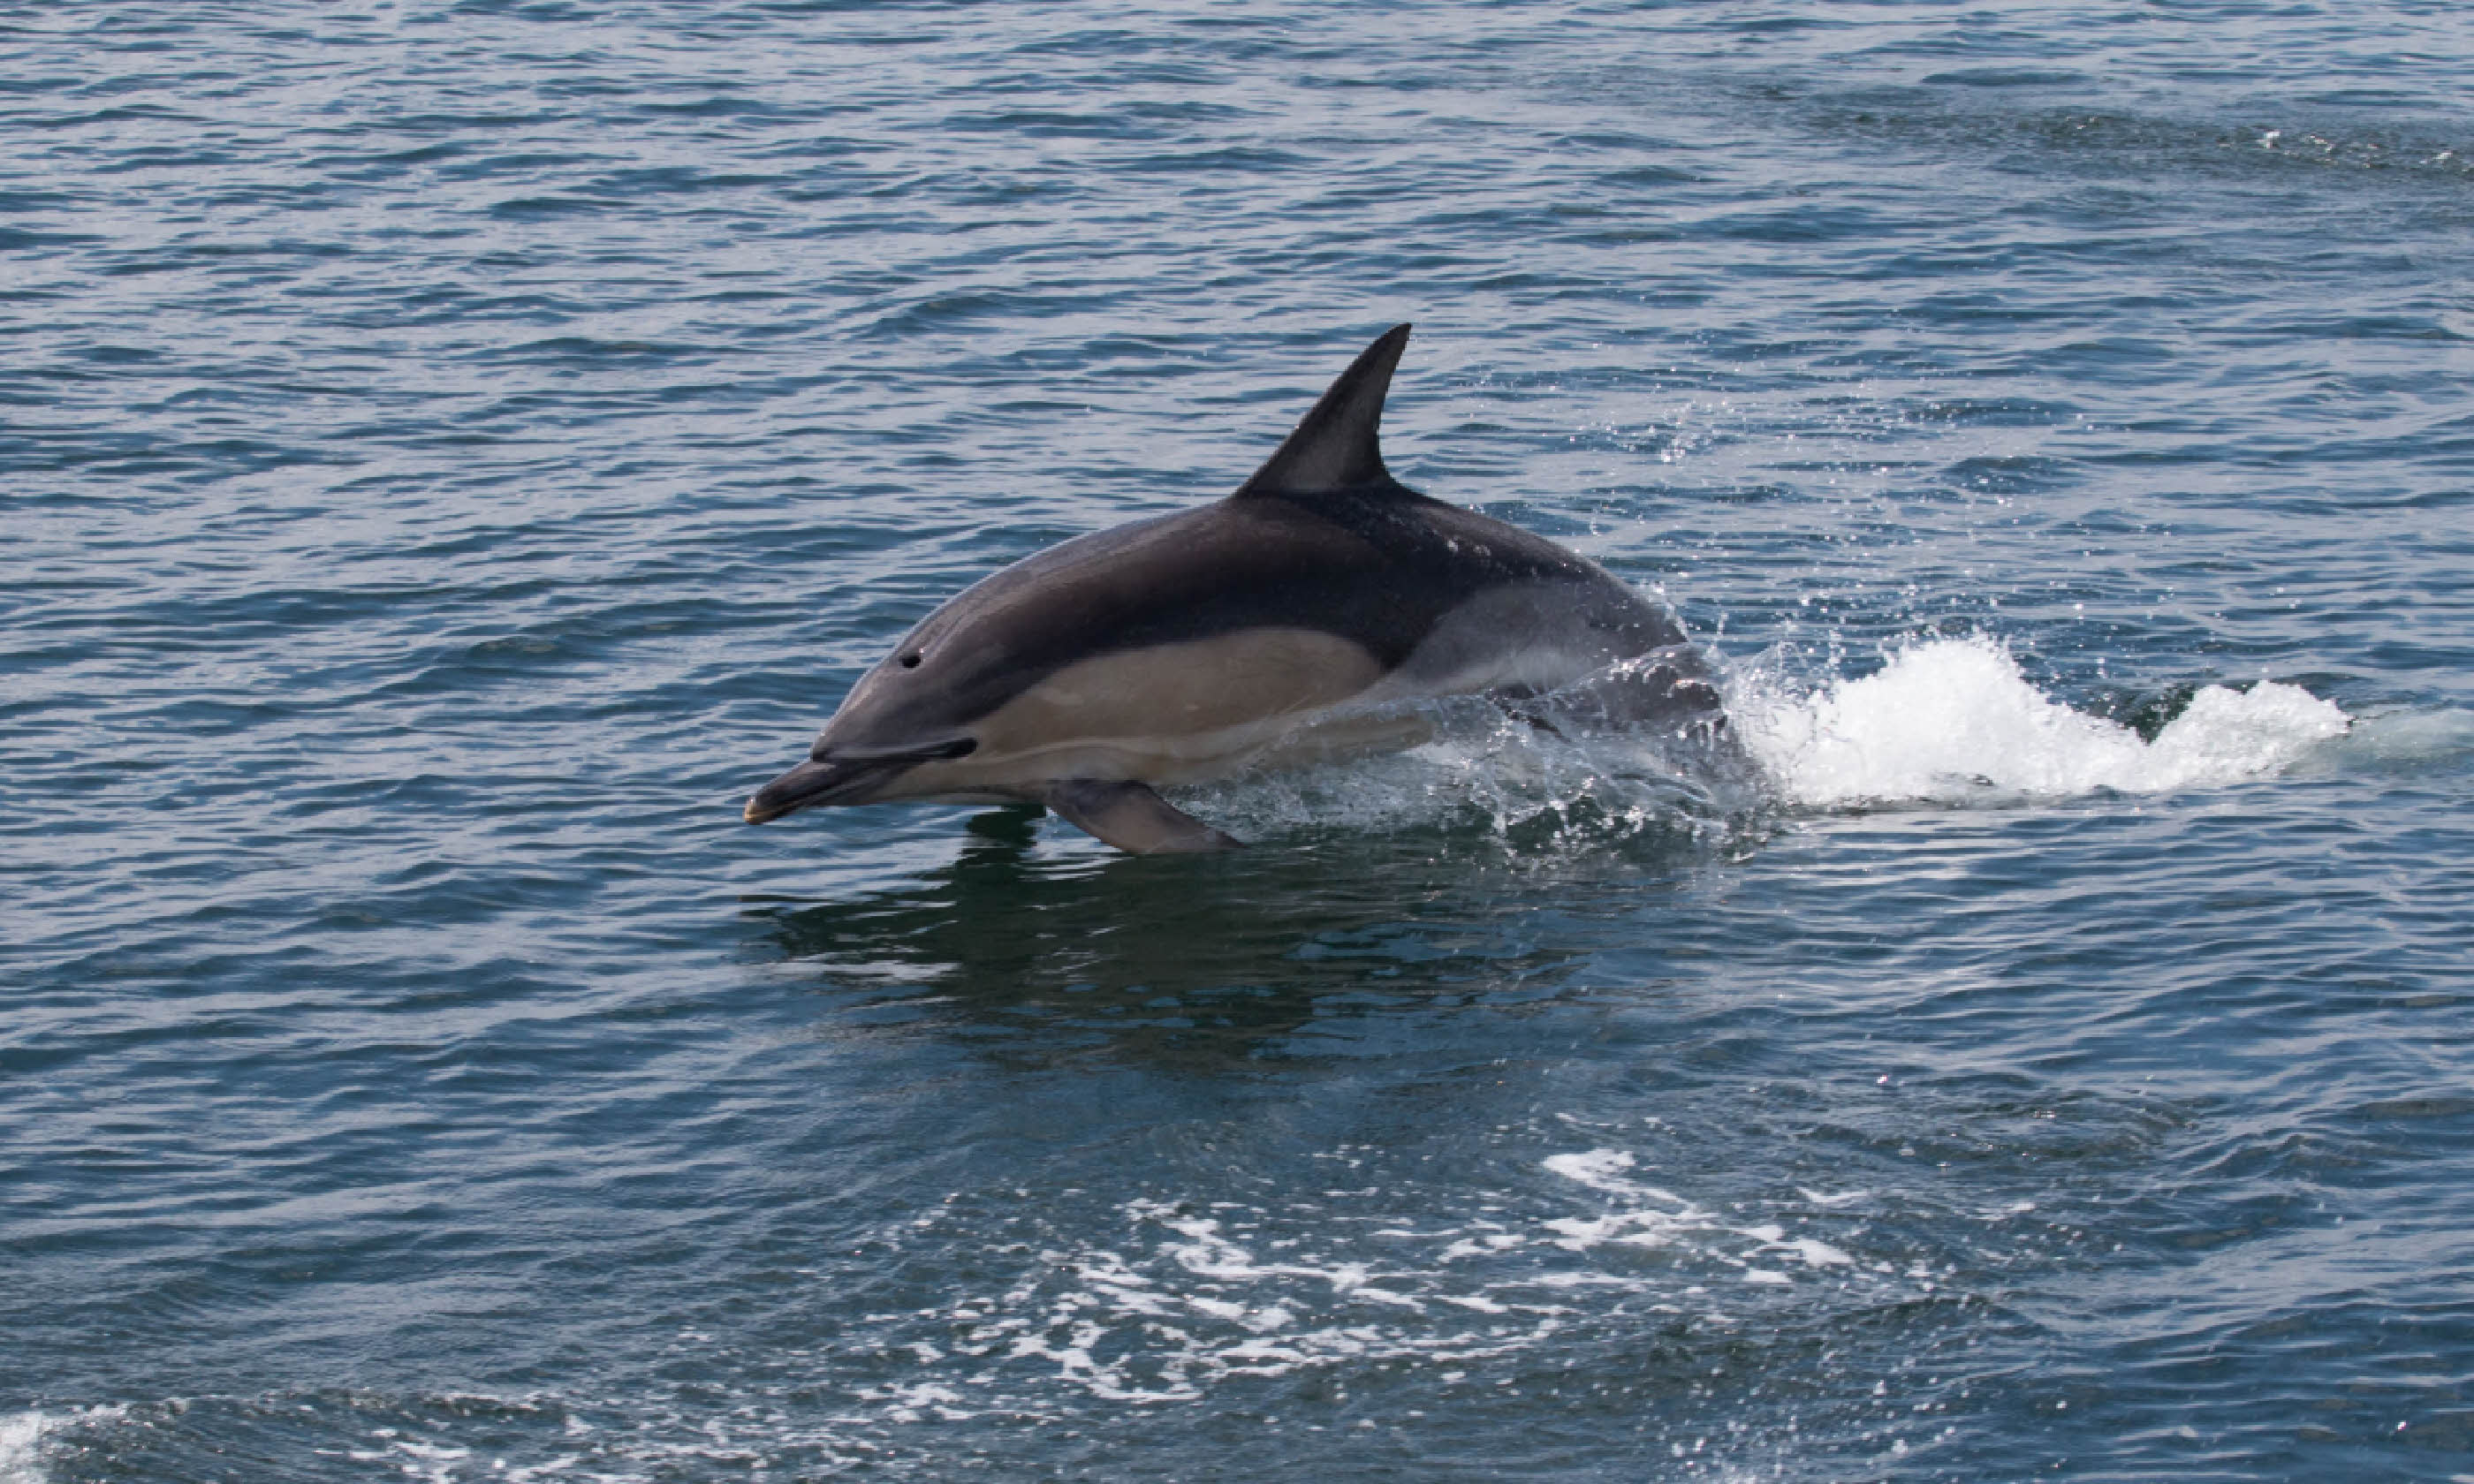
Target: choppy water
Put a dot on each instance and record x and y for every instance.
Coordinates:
(451, 453)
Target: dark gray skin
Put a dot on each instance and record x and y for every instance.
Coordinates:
(1295, 619)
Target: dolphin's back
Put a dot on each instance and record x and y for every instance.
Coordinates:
(1384, 570)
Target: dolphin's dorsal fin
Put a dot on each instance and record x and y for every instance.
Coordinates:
(1338, 445)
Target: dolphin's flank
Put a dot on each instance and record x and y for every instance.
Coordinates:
(1287, 623)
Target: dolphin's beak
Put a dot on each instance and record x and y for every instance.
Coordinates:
(812, 783)
(844, 777)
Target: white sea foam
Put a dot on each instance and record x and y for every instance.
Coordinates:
(21, 1447)
(1957, 719)
(1944, 721)
(1604, 1169)
(1187, 1296)
(1181, 1298)
(1669, 1220)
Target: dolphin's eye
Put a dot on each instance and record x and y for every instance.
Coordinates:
(911, 661)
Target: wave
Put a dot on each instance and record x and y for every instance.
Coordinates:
(1944, 722)
(1955, 720)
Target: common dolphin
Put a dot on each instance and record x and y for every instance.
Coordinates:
(1298, 618)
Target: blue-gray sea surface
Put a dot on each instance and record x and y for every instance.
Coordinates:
(451, 453)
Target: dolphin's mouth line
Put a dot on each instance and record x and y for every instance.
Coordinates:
(813, 784)
(841, 775)
(926, 752)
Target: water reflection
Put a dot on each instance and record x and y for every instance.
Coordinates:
(1228, 950)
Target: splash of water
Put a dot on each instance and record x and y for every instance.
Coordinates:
(21, 1447)
(1953, 720)
(1944, 721)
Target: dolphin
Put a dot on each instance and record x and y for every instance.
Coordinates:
(1301, 618)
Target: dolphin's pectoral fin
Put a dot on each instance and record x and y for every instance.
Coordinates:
(1130, 817)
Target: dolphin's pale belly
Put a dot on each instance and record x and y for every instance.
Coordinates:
(1169, 713)
(1295, 739)
(1263, 698)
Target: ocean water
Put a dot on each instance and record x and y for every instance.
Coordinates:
(451, 453)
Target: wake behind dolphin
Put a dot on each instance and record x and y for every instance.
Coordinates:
(1299, 620)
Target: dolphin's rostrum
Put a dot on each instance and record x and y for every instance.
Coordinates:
(1299, 618)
